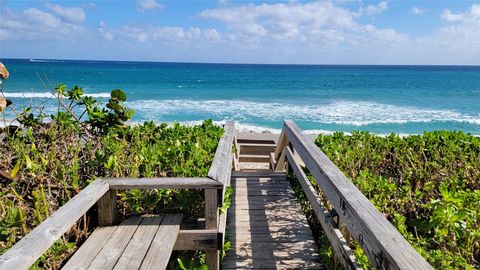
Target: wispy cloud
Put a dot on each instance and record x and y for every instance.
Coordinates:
(70, 14)
(376, 9)
(144, 5)
(417, 11)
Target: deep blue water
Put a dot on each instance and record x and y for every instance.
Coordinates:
(380, 99)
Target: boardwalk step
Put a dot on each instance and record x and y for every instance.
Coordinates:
(254, 158)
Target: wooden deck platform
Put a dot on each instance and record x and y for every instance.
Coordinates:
(137, 243)
(267, 228)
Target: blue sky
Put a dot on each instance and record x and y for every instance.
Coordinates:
(312, 32)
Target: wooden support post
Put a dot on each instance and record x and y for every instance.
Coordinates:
(212, 258)
(107, 209)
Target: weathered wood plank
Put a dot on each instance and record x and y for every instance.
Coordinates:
(289, 238)
(197, 240)
(222, 225)
(164, 182)
(222, 163)
(280, 164)
(268, 229)
(107, 209)
(82, 258)
(212, 257)
(272, 263)
(162, 245)
(382, 243)
(23, 254)
(338, 242)
(132, 256)
(282, 141)
(113, 249)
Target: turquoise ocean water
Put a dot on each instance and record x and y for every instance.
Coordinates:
(380, 99)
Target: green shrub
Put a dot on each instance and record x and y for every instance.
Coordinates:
(427, 185)
(43, 164)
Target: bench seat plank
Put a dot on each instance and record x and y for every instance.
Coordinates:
(162, 245)
(89, 250)
(113, 249)
(138, 246)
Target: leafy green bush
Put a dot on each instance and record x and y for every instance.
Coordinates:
(43, 164)
(428, 186)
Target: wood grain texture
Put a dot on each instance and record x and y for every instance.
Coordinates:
(222, 162)
(162, 245)
(23, 254)
(113, 249)
(162, 183)
(82, 258)
(382, 243)
(212, 257)
(197, 240)
(133, 255)
(267, 232)
(107, 209)
(340, 246)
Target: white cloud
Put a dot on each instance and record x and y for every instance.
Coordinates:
(144, 5)
(102, 29)
(417, 11)
(90, 5)
(36, 25)
(287, 32)
(70, 14)
(316, 23)
(376, 9)
(449, 16)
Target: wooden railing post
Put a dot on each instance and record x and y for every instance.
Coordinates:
(212, 257)
(107, 209)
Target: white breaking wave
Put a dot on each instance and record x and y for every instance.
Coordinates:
(46, 61)
(359, 113)
(47, 95)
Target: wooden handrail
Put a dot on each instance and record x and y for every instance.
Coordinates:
(334, 235)
(220, 170)
(385, 247)
(163, 183)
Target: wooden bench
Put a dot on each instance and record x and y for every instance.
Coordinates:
(137, 243)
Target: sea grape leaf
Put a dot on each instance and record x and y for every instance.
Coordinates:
(119, 95)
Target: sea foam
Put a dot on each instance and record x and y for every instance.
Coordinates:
(353, 113)
(47, 95)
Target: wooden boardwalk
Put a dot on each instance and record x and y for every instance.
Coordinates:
(265, 224)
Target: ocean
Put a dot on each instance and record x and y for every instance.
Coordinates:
(320, 98)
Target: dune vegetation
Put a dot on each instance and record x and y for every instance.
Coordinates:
(427, 185)
(49, 159)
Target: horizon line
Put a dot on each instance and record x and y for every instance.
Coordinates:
(243, 63)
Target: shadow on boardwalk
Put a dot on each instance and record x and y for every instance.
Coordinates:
(267, 227)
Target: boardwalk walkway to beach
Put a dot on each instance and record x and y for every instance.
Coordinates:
(265, 225)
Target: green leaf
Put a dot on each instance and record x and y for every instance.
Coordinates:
(180, 263)
(60, 89)
(16, 169)
(119, 95)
